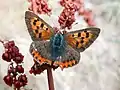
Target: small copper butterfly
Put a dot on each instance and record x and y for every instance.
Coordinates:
(59, 49)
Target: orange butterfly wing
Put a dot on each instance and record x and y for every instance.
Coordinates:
(82, 39)
(38, 28)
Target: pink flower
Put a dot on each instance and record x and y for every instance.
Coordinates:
(71, 6)
(88, 17)
(38, 69)
(39, 6)
(67, 17)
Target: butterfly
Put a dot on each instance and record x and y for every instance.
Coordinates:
(56, 48)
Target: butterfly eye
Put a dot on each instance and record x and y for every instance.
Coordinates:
(64, 32)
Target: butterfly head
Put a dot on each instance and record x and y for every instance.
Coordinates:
(58, 40)
(56, 30)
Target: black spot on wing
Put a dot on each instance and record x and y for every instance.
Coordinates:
(81, 41)
(35, 20)
(40, 34)
(87, 34)
(77, 43)
(46, 28)
(37, 27)
(82, 38)
(34, 23)
(79, 34)
(36, 57)
(42, 25)
(36, 31)
(73, 35)
(68, 65)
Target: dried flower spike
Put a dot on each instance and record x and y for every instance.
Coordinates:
(12, 55)
(79, 7)
(39, 6)
(67, 17)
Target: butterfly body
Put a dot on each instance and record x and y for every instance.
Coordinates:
(58, 49)
(57, 45)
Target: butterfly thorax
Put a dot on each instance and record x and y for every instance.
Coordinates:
(57, 45)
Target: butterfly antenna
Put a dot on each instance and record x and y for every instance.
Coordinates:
(75, 24)
(54, 22)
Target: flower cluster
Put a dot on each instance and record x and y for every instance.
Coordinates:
(88, 17)
(67, 17)
(15, 74)
(39, 6)
(38, 69)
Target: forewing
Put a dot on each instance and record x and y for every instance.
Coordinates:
(38, 28)
(82, 39)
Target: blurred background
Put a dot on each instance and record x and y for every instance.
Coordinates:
(99, 67)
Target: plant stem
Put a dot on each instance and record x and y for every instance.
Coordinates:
(1, 41)
(50, 79)
(14, 88)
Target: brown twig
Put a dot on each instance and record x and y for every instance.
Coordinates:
(14, 88)
(1, 41)
(50, 79)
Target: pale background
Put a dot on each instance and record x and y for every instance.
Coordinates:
(99, 68)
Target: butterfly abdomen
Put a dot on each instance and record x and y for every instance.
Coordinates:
(57, 46)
